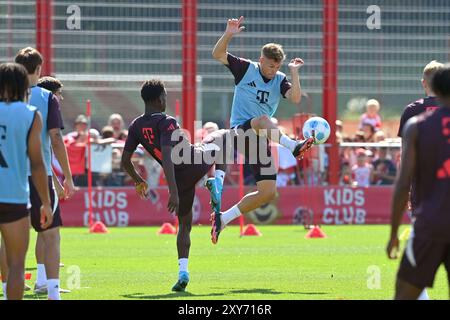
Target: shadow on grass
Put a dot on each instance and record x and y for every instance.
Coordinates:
(175, 295)
(172, 295)
(271, 291)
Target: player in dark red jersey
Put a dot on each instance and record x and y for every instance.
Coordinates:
(426, 159)
(183, 163)
(427, 104)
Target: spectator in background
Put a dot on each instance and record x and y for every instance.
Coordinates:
(371, 115)
(339, 131)
(379, 136)
(116, 177)
(118, 125)
(362, 171)
(368, 132)
(75, 142)
(384, 169)
(80, 130)
(210, 127)
(107, 132)
(359, 136)
(346, 174)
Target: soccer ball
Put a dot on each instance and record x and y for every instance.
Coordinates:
(320, 127)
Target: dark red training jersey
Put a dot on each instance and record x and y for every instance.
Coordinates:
(153, 131)
(433, 175)
(416, 108)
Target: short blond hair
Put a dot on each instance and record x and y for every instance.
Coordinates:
(273, 51)
(430, 69)
(373, 102)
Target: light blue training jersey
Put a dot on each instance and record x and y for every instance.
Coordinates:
(40, 98)
(16, 120)
(253, 97)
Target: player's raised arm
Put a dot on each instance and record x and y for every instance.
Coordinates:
(403, 184)
(294, 94)
(220, 49)
(169, 171)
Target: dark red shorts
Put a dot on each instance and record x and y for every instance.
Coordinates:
(187, 180)
(421, 260)
(254, 148)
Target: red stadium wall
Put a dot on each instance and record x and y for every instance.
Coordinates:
(329, 205)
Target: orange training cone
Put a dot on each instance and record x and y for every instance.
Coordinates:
(315, 232)
(251, 230)
(98, 227)
(167, 228)
(27, 276)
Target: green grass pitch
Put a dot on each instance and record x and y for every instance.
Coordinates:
(136, 263)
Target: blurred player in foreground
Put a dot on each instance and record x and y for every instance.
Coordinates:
(427, 104)
(426, 160)
(20, 146)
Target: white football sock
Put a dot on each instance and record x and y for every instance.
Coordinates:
(220, 175)
(183, 264)
(230, 214)
(424, 295)
(41, 278)
(288, 142)
(53, 289)
(4, 291)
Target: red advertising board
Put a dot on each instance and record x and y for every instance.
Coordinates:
(294, 205)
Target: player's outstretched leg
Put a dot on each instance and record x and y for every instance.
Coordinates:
(183, 280)
(220, 142)
(216, 226)
(265, 126)
(266, 192)
(215, 187)
(302, 146)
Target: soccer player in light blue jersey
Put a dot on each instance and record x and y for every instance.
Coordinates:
(20, 147)
(259, 87)
(48, 241)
